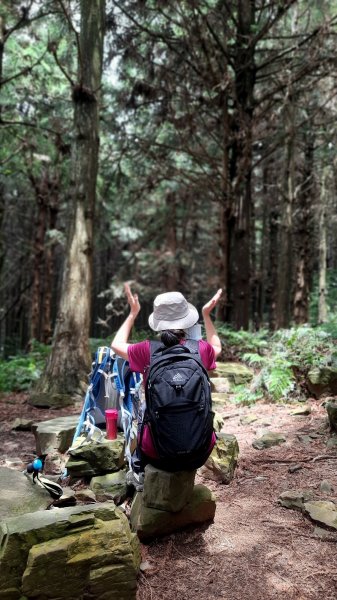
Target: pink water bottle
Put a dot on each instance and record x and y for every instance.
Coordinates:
(111, 416)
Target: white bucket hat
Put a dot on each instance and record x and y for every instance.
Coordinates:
(172, 311)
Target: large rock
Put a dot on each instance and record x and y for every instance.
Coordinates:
(218, 422)
(219, 400)
(331, 408)
(151, 522)
(292, 499)
(95, 458)
(18, 494)
(54, 434)
(69, 553)
(248, 419)
(220, 385)
(167, 491)
(111, 485)
(235, 372)
(50, 400)
(268, 440)
(323, 512)
(220, 465)
(322, 380)
(302, 410)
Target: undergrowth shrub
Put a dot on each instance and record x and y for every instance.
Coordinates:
(237, 342)
(18, 373)
(282, 361)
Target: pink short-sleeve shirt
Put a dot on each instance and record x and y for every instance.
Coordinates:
(139, 356)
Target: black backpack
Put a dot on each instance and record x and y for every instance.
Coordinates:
(178, 407)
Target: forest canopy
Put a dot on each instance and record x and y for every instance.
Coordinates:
(178, 145)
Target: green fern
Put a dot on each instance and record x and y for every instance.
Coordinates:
(245, 396)
(278, 382)
(254, 359)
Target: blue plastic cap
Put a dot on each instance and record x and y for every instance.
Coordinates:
(37, 464)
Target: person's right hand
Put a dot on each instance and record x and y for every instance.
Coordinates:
(132, 300)
(206, 310)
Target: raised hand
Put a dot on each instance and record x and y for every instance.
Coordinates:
(132, 300)
(208, 307)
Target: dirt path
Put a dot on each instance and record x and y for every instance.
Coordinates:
(255, 549)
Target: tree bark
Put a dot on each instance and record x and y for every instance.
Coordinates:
(171, 241)
(303, 241)
(69, 362)
(224, 216)
(240, 169)
(322, 252)
(284, 271)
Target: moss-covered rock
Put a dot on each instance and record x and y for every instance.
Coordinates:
(151, 522)
(220, 385)
(268, 440)
(248, 419)
(292, 499)
(323, 512)
(322, 380)
(112, 485)
(302, 410)
(167, 491)
(220, 465)
(95, 458)
(48, 400)
(69, 553)
(219, 400)
(331, 408)
(236, 373)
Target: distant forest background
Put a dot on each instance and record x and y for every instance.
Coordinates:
(177, 145)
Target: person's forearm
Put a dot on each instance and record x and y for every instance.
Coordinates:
(119, 343)
(124, 331)
(211, 334)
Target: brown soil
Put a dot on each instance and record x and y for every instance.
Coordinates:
(254, 549)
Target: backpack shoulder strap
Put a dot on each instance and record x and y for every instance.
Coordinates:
(156, 347)
(193, 346)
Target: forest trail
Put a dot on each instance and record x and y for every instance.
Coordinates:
(255, 548)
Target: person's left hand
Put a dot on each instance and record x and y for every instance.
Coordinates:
(208, 307)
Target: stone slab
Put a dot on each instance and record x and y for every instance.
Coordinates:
(151, 522)
(54, 434)
(18, 494)
(167, 491)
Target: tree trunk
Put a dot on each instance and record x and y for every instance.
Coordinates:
(69, 362)
(40, 188)
(240, 169)
(171, 242)
(284, 271)
(304, 240)
(322, 252)
(48, 288)
(225, 212)
(261, 268)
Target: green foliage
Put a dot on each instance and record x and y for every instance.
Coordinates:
(243, 341)
(20, 372)
(256, 360)
(278, 382)
(330, 327)
(304, 346)
(331, 298)
(286, 353)
(244, 396)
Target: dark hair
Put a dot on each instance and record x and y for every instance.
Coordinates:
(171, 337)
